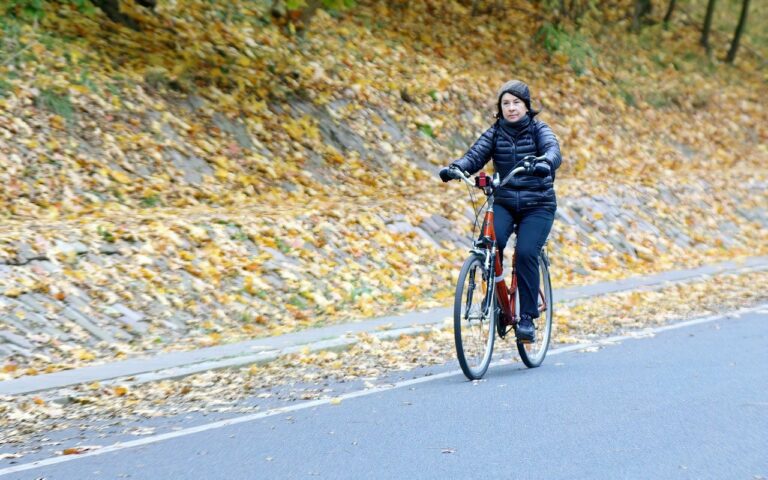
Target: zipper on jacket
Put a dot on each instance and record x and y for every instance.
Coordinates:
(514, 157)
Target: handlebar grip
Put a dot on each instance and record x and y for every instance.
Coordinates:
(534, 159)
(463, 172)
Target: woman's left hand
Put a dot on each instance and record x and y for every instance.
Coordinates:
(541, 169)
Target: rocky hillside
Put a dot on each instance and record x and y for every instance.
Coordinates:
(211, 178)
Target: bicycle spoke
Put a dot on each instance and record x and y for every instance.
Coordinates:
(533, 353)
(474, 326)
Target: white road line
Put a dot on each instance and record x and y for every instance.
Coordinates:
(360, 393)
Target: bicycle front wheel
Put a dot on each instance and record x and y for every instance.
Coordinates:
(474, 318)
(533, 353)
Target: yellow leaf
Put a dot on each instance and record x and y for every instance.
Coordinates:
(443, 294)
(32, 144)
(120, 177)
(198, 233)
(221, 174)
(221, 161)
(302, 129)
(83, 354)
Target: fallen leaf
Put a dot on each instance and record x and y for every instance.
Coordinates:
(80, 450)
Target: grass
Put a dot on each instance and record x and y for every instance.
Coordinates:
(150, 201)
(426, 130)
(5, 88)
(299, 302)
(282, 246)
(57, 103)
(574, 45)
(106, 235)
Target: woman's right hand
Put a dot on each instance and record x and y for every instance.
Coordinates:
(449, 173)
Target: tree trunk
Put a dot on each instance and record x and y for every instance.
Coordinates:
(707, 25)
(668, 16)
(112, 10)
(643, 8)
(739, 30)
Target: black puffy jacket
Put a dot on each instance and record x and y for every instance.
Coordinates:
(534, 138)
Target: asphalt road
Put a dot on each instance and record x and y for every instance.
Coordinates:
(686, 403)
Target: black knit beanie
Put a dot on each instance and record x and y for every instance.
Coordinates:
(518, 89)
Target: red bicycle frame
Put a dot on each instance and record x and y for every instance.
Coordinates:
(505, 295)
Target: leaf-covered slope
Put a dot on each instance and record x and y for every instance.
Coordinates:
(93, 113)
(219, 179)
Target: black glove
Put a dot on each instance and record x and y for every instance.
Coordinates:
(541, 169)
(449, 173)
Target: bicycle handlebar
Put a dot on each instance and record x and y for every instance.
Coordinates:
(528, 163)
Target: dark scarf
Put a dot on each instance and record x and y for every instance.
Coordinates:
(513, 129)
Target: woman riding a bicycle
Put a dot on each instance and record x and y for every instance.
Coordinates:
(527, 203)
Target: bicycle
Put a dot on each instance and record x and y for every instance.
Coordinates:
(494, 308)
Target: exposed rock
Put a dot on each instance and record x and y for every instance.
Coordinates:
(68, 248)
(11, 337)
(234, 128)
(80, 319)
(405, 227)
(192, 167)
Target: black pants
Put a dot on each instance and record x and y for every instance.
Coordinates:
(533, 226)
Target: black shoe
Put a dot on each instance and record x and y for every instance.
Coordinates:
(525, 331)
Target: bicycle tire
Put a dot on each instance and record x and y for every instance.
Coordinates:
(474, 318)
(533, 353)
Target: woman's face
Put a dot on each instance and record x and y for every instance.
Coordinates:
(512, 107)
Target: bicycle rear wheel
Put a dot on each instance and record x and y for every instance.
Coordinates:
(474, 318)
(533, 353)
